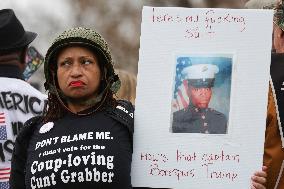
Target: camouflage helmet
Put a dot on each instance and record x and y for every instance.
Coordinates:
(82, 37)
(278, 7)
(279, 15)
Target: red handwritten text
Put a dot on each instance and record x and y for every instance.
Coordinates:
(220, 174)
(153, 157)
(201, 24)
(156, 171)
(211, 18)
(185, 157)
(211, 158)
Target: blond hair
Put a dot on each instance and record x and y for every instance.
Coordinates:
(127, 90)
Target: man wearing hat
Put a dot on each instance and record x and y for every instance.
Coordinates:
(198, 117)
(19, 101)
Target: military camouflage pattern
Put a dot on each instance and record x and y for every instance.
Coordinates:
(278, 14)
(83, 36)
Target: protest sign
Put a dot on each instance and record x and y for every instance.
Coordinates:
(33, 59)
(180, 140)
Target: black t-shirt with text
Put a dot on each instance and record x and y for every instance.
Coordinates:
(91, 151)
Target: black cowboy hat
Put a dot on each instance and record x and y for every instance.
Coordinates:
(12, 33)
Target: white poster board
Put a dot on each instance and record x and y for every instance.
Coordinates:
(238, 42)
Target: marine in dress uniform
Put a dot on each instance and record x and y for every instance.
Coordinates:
(197, 117)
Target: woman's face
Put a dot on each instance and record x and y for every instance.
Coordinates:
(78, 73)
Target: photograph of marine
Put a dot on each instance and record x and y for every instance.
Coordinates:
(197, 117)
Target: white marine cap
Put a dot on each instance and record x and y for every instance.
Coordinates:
(200, 75)
(200, 71)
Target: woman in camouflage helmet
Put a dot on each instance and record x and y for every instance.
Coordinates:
(84, 138)
(90, 39)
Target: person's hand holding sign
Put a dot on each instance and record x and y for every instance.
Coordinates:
(258, 180)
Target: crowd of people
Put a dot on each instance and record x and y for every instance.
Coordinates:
(42, 144)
